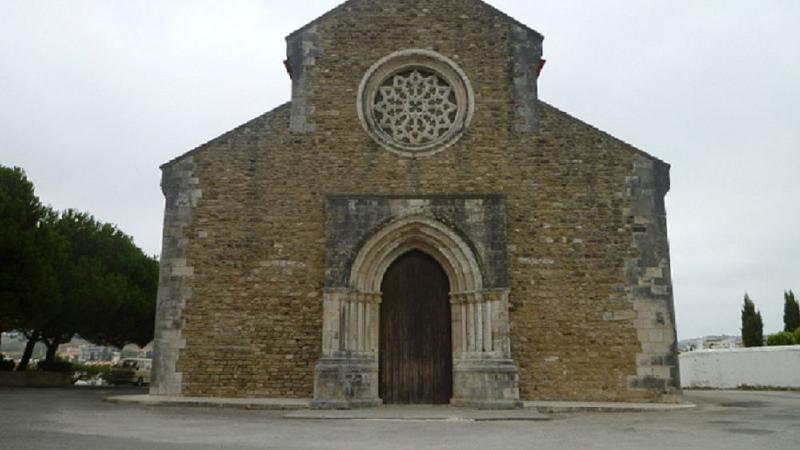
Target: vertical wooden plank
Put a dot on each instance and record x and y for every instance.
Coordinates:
(415, 360)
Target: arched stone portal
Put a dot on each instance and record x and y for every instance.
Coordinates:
(483, 373)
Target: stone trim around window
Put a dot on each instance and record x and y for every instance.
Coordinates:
(415, 102)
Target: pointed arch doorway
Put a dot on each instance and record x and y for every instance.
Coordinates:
(348, 373)
(415, 357)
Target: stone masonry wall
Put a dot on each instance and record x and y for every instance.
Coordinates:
(256, 241)
(481, 219)
(182, 194)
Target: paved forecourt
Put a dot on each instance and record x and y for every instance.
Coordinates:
(79, 418)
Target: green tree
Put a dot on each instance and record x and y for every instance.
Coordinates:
(752, 325)
(108, 286)
(67, 274)
(125, 283)
(45, 297)
(791, 312)
(20, 212)
(27, 285)
(782, 338)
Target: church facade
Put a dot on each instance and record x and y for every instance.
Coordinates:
(416, 226)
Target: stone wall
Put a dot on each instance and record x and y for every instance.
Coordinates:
(583, 324)
(35, 379)
(763, 367)
(182, 194)
(480, 219)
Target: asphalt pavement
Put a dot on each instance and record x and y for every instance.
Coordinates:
(78, 418)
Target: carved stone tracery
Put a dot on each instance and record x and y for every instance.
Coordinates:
(415, 107)
(415, 102)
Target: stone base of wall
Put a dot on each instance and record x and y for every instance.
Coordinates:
(35, 379)
(352, 382)
(486, 384)
(347, 382)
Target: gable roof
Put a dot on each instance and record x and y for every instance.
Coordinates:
(632, 148)
(347, 3)
(284, 108)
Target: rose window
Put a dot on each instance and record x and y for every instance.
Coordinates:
(415, 107)
(415, 102)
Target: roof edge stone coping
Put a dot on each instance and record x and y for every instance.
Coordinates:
(226, 134)
(630, 146)
(348, 2)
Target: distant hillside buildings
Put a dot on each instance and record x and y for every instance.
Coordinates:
(710, 342)
(76, 351)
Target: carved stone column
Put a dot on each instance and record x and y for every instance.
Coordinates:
(466, 234)
(484, 375)
(346, 376)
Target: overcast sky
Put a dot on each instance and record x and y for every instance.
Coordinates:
(95, 95)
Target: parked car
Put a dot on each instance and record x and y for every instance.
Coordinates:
(132, 370)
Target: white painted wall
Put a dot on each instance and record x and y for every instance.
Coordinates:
(731, 368)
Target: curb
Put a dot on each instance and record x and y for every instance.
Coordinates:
(605, 407)
(197, 402)
(534, 410)
(443, 414)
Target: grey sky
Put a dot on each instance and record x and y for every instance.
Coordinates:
(95, 95)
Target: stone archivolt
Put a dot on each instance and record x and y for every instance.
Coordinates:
(484, 374)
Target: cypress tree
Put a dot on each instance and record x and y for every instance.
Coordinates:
(752, 325)
(791, 312)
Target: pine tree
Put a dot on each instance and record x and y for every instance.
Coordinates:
(752, 325)
(791, 312)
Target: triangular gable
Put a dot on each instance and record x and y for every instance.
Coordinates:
(349, 3)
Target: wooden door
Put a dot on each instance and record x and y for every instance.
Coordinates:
(416, 361)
